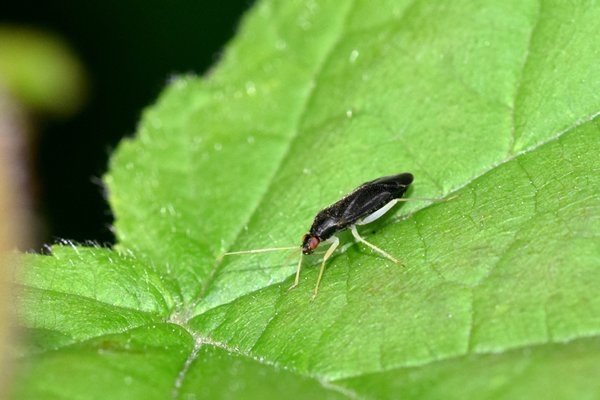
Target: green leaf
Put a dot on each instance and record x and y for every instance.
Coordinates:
(496, 103)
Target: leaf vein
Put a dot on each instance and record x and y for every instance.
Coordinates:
(297, 124)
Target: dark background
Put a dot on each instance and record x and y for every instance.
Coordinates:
(129, 50)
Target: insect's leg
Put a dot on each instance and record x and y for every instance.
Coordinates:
(377, 249)
(297, 280)
(330, 250)
(427, 199)
(377, 214)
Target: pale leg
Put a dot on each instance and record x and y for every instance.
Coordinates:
(377, 249)
(297, 280)
(426, 199)
(330, 250)
(379, 213)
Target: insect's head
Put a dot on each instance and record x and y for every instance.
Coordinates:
(309, 244)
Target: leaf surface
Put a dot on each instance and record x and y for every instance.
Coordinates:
(494, 102)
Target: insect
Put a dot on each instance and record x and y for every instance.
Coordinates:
(363, 205)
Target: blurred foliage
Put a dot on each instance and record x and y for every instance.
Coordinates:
(41, 71)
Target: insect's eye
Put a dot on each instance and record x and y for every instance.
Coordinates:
(314, 242)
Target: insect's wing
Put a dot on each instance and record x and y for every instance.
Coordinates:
(404, 179)
(364, 202)
(371, 196)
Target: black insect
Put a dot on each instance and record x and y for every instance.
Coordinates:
(364, 205)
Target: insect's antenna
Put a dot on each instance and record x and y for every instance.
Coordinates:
(292, 254)
(234, 253)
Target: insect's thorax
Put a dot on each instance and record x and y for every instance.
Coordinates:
(326, 224)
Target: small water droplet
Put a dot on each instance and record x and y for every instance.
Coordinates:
(353, 56)
(250, 88)
(306, 171)
(281, 44)
(349, 113)
(156, 123)
(304, 23)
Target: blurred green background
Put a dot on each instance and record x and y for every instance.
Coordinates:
(127, 51)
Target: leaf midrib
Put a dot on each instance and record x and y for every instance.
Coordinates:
(293, 138)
